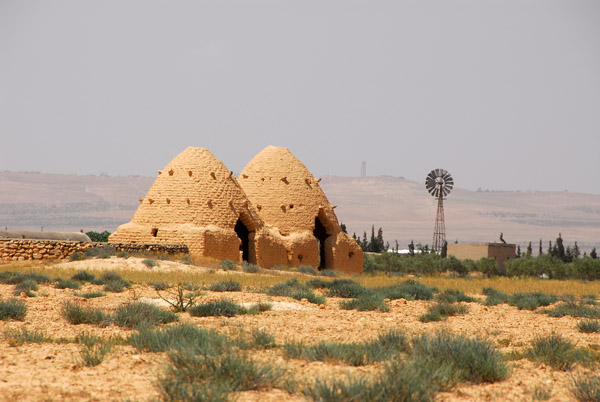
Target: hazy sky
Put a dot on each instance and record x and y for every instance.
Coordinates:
(504, 94)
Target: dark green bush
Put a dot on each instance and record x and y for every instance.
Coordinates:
(346, 288)
(100, 252)
(488, 266)
(219, 308)
(328, 272)
(90, 295)
(149, 263)
(225, 286)
(83, 276)
(585, 268)
(453, 296)
(12, 309)
(441, 311)
(23, 335)
(160, 285)
(76, 314)
(409, 290)
(76, 257)
(27, 286)
(557, 352)
(531, 301)
(573, 309)
(586, 388)
(366, 302)
(138, 315)
(454, 265)
(250, 268)
(317, 283)
(228, 265)
(494, 297)
(296, 290)
(180, 337)
(588, 326)
(307, 269)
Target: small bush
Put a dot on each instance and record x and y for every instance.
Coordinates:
(90, 295)
(179, 299)
(23, 335)
(87, 339)
(307, 269)
(453, 296)
(225, 286)
(346, 288)
(160, 285)
(219, 308)
(328, 272)
(468, 359)
(27, 286)
(441, 311)
(107, 277)
(542, 393)
(366, 302)
(494, 297)
(588, 326)
(123, 254)
(573, 309)
(116, 286)
(93, 355)
(586, 388)
(76, 257)
(100, 252)
(228, 265)
(83, 276)
(136, 315)
(296, 290)
(557, 352)
(66, 284)
(13, 278)
(408, 290)
(12, 309)
(149, 263)
(76, 314)
(317, 283)
(531, 301)
(195, 377)
(250, 268)
(180, 337)
(262, 340)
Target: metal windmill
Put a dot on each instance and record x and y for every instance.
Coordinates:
(439, 183)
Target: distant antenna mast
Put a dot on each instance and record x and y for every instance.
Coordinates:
(439, 183)
(363, 169)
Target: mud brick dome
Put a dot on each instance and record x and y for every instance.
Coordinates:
(197, 201)
(292, 205)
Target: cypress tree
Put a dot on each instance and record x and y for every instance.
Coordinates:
(540, 251)
(593, 253)
(444, 251)
(529, 250)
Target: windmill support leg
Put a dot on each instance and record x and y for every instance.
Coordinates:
(439, 234)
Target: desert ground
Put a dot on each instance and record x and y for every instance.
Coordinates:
(53, 369)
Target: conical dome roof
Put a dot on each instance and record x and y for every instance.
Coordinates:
(285, 193)
(194, 188)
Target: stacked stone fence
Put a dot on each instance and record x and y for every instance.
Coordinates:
(28, 249)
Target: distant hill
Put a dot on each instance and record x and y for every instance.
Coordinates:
(401, 207)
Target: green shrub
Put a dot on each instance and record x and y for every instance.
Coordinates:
(76, 257)
(93, 355)
(90, 295)
(453, 296)
(431, 316)
(149, 263)
(137, 314)
(328, 272)
(13, 278)
(307, 269)
(100, 252)
(23, 335)
(160, 285)
(488, 266)
(531, 301)
(66, 284)
(12, 309)
(83, 276)
(494, 297)
(76, 314)
(179, 337)
(586, 388)
(468, 359)
(557, 352)
(542, 393)
(545, 265)
(588, 326)
(87, 339)
(317, 283)
(225, 286)
(219, 308)
(454, 265)
(116, 286)
(195, 377)
(574, 310)
(228, 265)
(366, 302)
(262, 340)
(113, 282)
(346, 288)
(264, 306)
(441, 311)
(250, 268)
(585, 268)
(409, 290)
(296, 290)
(27, 286)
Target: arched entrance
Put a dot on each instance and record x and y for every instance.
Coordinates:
(244, 234)
(321, 235)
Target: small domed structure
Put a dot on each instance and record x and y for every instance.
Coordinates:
(291, 203)
(198, 202)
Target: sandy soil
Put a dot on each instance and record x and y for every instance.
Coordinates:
(52, 372)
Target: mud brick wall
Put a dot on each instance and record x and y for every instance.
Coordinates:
(27, 250)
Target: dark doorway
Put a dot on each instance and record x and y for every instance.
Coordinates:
(321, 234)
(242, 231)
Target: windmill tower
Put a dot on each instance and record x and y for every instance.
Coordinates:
(439, 183)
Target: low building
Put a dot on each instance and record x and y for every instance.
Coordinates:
(475, 251)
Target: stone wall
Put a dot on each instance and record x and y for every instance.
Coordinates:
(28, 249)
